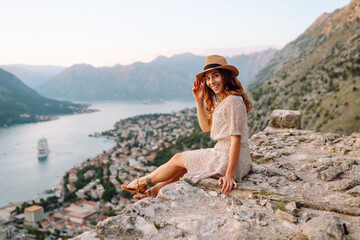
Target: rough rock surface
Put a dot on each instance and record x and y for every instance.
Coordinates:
(303, 184)
(285, 119)
(325, 226)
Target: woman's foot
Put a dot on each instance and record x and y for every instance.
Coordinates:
(152, 192)
(148, 193)
(138, 185)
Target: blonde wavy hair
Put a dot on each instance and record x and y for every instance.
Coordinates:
(232, 87)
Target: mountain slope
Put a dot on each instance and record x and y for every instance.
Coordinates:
(21, 104)
(167, 78)
(250, 64)
(318, 73)
(33, 75)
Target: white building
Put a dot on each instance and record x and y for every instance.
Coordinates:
(34, 215)
(113, 169)
(133, 162)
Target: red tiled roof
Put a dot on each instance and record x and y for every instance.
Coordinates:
(33, 208)
(54, 219)
(89, 203)
(102, 218)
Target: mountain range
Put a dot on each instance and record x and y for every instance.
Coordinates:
(318, 73)
(168, 78)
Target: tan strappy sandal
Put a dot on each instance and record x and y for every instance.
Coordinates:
(140, 196)
(138, 188)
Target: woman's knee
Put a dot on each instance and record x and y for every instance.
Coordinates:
(177, 160)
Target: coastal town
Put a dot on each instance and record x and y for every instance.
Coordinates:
(91, 192)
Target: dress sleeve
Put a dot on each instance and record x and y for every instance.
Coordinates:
(236, 114)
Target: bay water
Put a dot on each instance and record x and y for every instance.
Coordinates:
(24, 177)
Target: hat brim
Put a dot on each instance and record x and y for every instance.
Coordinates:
(228, 67)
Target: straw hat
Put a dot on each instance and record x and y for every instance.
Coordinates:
(216, 62)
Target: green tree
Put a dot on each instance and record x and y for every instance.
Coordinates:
(125, 194)
(109, 191)
(70, 197)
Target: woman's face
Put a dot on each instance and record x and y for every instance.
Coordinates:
(213, 80)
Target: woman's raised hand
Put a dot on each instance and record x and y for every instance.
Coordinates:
(198, 91)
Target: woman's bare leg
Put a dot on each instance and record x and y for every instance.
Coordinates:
(158, 186)
(163, 173)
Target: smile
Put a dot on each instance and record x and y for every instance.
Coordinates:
(215, 87)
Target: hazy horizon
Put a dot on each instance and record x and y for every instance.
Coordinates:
(64, 33)
(237, 52)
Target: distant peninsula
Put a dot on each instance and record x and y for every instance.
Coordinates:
(21, 104)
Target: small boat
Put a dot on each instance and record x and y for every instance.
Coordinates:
(154, 101)
(43, 150)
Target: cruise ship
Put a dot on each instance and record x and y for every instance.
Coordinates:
(43, 150)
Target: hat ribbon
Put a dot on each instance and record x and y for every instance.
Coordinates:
(212, 66)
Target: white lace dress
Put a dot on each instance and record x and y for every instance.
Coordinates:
(229, 118)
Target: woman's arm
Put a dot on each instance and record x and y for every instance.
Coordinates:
(228, 180)
(204, 122)
(198, 92)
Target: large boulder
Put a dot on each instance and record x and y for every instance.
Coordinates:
(285, 119)
(325, 226)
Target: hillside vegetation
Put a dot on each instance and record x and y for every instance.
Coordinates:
(318, 73)
(21, 104)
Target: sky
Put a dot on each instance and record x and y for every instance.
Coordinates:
(109, 32)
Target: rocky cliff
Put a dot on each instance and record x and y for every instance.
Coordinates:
(317, 73)
(304, 185)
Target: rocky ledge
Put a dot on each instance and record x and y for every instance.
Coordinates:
(304, 185)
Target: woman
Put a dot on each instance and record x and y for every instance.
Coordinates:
(225, 115)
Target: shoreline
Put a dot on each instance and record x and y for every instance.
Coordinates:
(116, 159)
(10, 204)
(56, 187)
(48, 118)
(58, 180)
(5, 211)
